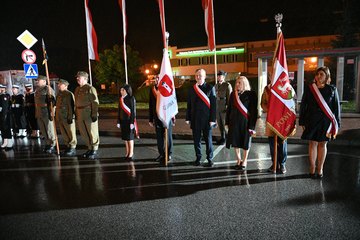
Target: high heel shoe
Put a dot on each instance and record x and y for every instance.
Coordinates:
(312, 175)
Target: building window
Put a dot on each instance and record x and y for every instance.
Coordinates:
(230, 58)
(175, 62)
(239, 58)
(220, 59)
(194, 61)
(204, 60)
(184, 62)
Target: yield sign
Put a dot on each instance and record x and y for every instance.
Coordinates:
(28, 56)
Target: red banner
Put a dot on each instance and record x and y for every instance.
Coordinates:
(209, 22)
(281, 117)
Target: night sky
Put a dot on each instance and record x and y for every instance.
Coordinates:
(62, 25)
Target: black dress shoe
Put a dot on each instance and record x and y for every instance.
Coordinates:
(51, 150)
(197, 163)
(221, 142)
(209, 163)
(70, 152)
(92, 154)
(86, 154)
(159, 158)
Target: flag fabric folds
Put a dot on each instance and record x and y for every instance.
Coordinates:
(281, 115)
(166, 104)
(209, 22)
(91, 34)
(162, 20)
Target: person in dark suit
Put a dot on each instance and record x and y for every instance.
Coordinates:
(241, 117)
(320, 118)
(159, 127)
(126, 119)
(201, 115)
(5, 119)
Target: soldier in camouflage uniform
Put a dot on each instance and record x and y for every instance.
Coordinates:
(86, 108)
(44, 97)
(223, 90)
(65, 117)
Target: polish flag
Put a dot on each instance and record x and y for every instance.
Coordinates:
(166, 104)
(209, 22)
(91, 34)
(281, 115)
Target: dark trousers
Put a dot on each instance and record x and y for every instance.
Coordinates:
(220, 117)
(281, 150)
(160, 137)
(207, 134)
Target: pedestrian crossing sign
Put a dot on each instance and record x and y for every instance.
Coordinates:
(31, 70)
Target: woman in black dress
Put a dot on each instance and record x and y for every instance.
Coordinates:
(241, 116)
(320, 118)
(126, 119)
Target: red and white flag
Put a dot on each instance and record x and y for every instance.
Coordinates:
(166, 104)
(209, 22)
(91, 34)
(281, 115)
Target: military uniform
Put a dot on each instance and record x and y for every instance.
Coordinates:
(5, 119)
(223, 91)
(17, 109)
(86, 105)
(32, 125)
(65, 119)
(44, 116)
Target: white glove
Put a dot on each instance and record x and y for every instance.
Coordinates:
(118, 125)
(151, 124)
(187, 122)
(212, 124)
(226, 127)
(132, 126)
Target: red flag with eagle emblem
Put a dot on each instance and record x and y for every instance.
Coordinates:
(281, 117)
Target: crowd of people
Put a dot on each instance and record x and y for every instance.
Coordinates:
(234, 111)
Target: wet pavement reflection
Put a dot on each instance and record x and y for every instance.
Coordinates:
(32, 182)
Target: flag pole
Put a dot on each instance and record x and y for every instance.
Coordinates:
(215, 60)
(167, 35)
(49, 95)
(278, 20)
(90, 75)
(123, 11)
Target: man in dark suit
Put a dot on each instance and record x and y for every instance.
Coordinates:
(201, 115)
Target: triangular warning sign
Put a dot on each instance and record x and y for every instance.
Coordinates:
(31, 71)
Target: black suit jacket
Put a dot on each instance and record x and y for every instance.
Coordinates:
(198, 112)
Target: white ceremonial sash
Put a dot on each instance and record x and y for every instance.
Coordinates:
(240, 106)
